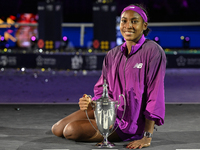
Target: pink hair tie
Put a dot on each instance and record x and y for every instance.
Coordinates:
(136, 9)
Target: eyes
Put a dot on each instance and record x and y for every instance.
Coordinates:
(124, 21)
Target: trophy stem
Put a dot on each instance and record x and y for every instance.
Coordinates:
(105, 143)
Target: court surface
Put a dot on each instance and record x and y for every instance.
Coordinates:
(27, 127)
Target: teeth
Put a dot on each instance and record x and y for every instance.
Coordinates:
(129, 32)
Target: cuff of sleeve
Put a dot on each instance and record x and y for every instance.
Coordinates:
(158, 120)
(95, 98)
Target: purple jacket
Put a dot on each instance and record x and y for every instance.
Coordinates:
(140, 77)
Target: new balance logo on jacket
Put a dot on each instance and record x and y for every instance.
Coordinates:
(138, 65)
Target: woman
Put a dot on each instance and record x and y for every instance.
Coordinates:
(136, 69)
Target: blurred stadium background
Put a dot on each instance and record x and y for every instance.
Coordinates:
(40, 37)
(76, 34)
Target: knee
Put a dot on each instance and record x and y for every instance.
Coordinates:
(72, 132)
(57, 130)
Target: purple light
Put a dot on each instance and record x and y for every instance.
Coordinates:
(187, 38)
(7, 45)
(33, 38)
(64, 38)
(2, 38)
(112, 44)
(156, 38)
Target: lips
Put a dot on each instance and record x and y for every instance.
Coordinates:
(129, 32)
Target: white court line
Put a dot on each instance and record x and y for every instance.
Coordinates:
(187, 149)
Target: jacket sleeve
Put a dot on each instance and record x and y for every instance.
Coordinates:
(155, 104)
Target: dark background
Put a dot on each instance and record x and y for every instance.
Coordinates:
(81, 10)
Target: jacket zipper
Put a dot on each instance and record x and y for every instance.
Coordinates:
(125, 75)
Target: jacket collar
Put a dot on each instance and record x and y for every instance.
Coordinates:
(134, 48)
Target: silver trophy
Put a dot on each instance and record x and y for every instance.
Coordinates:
(105, 111)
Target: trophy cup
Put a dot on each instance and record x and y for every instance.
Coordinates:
(105, 111)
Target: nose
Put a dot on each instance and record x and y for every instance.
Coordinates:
(129, 24)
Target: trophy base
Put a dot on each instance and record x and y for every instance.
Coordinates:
(105, 144)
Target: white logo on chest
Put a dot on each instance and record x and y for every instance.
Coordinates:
(138, 65)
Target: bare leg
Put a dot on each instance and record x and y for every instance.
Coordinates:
(57, 128)
(82, 130)
(77, 127)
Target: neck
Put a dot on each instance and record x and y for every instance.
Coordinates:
(129, 44)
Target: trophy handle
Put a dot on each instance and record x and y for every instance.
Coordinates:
(93, 105)
(123, 112)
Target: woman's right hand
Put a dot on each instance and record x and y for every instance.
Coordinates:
(84, 102)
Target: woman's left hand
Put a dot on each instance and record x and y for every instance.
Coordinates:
(144, 142)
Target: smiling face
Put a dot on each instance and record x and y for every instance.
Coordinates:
(132, 26)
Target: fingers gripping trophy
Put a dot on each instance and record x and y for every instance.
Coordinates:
(105, 110)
